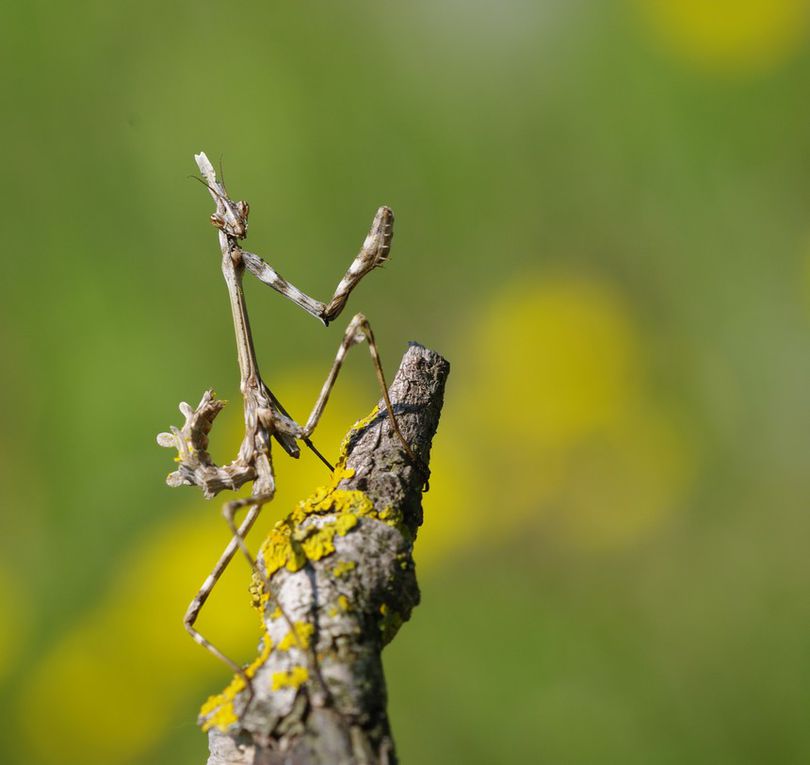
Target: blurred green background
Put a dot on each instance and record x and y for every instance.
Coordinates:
(603, 221)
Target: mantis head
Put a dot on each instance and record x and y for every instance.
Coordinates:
(231, 217)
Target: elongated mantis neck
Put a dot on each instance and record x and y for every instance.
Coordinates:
(233, 269)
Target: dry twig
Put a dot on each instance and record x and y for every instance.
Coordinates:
(341, 567)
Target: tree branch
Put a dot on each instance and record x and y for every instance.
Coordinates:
(341, 574)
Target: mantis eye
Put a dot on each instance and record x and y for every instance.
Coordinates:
(244, 208)
(216, 221)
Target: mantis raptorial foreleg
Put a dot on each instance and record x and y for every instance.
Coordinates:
(373, 253)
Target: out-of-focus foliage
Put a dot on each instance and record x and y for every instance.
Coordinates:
(12, 630)
(735, 36)
(602, 221)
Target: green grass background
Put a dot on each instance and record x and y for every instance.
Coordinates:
(603, 221)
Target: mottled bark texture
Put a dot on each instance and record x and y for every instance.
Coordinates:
(341, 569)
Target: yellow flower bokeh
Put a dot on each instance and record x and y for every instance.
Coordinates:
(111, 683)
(554, 427)
(625, 483)
(729, 36)
(557, 359)
(131, 648)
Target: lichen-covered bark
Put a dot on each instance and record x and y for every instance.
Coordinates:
(342, 582)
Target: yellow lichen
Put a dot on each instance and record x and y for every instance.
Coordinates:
(390, 622)
(293, 678)
(258, 594)
(343, 567)
(267, 648)
(358, 426)
(218, 710)
(394, 518)
(298, 638)
(319, 541)
(290, 545)
(221, 718)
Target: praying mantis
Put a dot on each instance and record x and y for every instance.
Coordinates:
(265, 418)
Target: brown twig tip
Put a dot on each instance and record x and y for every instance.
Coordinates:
(344, 599)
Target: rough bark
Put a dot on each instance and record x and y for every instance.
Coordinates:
(342, 572)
